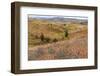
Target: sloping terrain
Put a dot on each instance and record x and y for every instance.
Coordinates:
(48, 40)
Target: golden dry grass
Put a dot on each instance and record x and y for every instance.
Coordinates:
(71, 47)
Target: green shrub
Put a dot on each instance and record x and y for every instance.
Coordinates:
(51, 51)
(66, 33)
(60, 55)
(39, 52)
(42, 37)
(55, 40)
(47, 40)
(64, 24)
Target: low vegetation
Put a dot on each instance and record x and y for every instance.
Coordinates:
(56, 40)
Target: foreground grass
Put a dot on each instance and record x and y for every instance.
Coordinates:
(56, 44)
(72, 48)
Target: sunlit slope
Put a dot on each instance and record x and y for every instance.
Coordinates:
(50, 30)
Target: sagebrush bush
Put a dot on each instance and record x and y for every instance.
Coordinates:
(60, 55)
(51, 51)
(38, 53)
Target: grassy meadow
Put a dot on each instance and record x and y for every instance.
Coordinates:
(57, 38)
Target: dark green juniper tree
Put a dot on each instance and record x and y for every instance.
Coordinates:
(66, 33)
(42, 37)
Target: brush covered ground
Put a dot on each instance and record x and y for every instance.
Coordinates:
(48, 40)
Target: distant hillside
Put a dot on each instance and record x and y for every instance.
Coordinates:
(61, 19)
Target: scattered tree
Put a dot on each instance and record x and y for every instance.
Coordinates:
(42, 37)
(64, 24)
(66, 33)
(55, 40)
